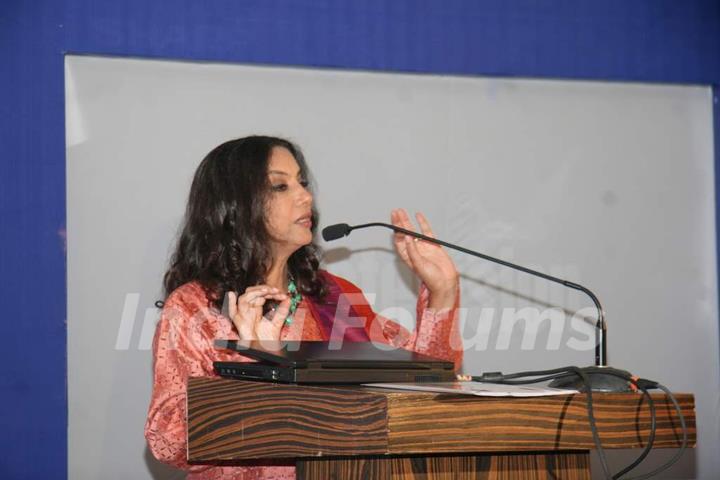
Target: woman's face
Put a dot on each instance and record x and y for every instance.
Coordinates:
(289, 207)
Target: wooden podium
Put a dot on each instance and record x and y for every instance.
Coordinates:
(347, 433)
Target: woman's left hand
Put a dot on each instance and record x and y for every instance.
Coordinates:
(430, 262)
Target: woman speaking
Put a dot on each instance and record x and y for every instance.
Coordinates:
(247, 245)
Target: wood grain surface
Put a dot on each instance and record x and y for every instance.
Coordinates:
(566, 466)
(231, 420)
(469, 424)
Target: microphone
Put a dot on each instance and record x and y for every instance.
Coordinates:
(605, 382)
(333, 232)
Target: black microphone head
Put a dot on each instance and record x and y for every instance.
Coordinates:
(333, 232)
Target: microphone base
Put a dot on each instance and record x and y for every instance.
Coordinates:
(602, 379)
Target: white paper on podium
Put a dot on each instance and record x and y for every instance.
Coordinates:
(480, 389)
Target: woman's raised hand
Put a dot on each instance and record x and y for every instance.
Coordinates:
(246, 312)
(430, 262)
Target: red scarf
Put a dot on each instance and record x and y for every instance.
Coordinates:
(336, 317)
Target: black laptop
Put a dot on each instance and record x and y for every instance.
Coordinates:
(325, 362)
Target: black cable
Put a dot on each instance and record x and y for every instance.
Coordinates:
(643, 385)
(537, 380)
(683, 445)
(551, 374)
(499, 377)
(651, 437)
(495, 376)
(593, 426)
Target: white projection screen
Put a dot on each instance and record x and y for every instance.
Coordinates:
(606, 184)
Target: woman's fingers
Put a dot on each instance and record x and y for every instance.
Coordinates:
(395, 220)
(425, 227)
(260, 289)
(412, 252)
(399, 238)
(281, 313)
(232, 304)
(403, 220)
(260, 301)
(246, 307)
(246, 312)
(253, 295)
(257, 302)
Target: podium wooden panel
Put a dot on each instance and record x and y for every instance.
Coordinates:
(352, 432)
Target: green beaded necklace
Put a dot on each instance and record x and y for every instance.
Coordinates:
(295, 299)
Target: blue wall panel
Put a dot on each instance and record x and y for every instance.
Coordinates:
(649, 40)
(642, 40)
(33, 399)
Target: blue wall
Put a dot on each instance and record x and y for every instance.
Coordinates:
(641, 40)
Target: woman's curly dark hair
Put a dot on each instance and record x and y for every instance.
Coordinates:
(225, 244)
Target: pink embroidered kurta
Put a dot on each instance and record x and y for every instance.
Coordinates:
(183, 347)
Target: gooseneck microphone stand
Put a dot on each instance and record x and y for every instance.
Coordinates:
(602, 377)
